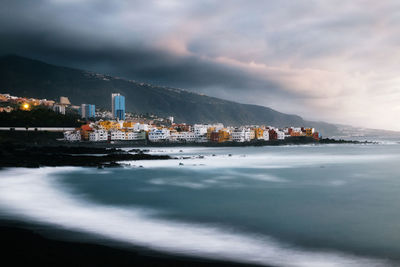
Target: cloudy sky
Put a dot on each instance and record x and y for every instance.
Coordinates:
(331, 60)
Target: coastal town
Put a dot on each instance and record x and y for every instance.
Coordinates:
(118, 125)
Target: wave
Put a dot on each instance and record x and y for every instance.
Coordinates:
(265, 160)
(36, 195)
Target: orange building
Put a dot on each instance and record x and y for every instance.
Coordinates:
(110, 125)
(258, 133)
(220, 136)
(210, 130)
(128, 124)
(223, 136)
(85, 131)
(293, 133)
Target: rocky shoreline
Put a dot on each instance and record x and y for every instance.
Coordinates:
(106, 154)
(40, 156)
(302, 140)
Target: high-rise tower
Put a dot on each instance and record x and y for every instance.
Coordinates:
(118, 106)
(88, 111)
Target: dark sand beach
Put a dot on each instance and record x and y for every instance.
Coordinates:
(23, 246)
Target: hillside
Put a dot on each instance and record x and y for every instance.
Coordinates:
(31, 78)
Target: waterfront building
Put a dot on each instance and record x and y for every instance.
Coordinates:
(310, 132)
(200, 129)
(132, 135)
(241, 135)
(98, 135)
(220, 136)
(117, 135)
(157, 135)
(118, 106)
(273, 135)
(182, 136)
(87, 111)
(86, 129)
(280, 135)
(266, 135)
(258, 133)
(214, 136)
(72, 136)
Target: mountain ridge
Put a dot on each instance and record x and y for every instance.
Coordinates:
(34, 78)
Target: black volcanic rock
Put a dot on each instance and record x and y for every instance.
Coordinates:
(38, 156)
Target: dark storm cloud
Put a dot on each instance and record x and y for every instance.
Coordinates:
(39, 33)
(295, 56)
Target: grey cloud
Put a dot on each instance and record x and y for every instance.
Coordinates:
(290, 55)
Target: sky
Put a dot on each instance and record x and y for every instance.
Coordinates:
(334, 61)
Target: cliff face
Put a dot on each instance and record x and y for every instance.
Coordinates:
(31, 78)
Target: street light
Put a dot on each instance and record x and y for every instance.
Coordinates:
(26, 106)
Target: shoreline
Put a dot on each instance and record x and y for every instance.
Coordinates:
(23, 246)
(254, 143)
(104, 155)
(29, 138)
(57, 156)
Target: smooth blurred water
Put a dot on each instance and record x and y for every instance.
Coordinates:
(333, 205)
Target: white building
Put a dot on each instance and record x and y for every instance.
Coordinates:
(72, 136)
(131, 135)
(117, 135)
(242, 134)
(200, 129)
(141, 127)
(157, 135)
(183, 137)
(59, 109)
(296, 129)
(98, 135)
(266, 135)
(280, 135)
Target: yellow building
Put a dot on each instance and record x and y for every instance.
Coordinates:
(110, 125)
(223, 136)
(309, 132)
(128, 124)
(258, 133)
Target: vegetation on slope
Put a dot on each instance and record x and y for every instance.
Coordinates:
(38, 117)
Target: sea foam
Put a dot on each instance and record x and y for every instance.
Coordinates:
(36, 195)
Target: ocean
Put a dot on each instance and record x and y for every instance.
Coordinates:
(316, 205)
